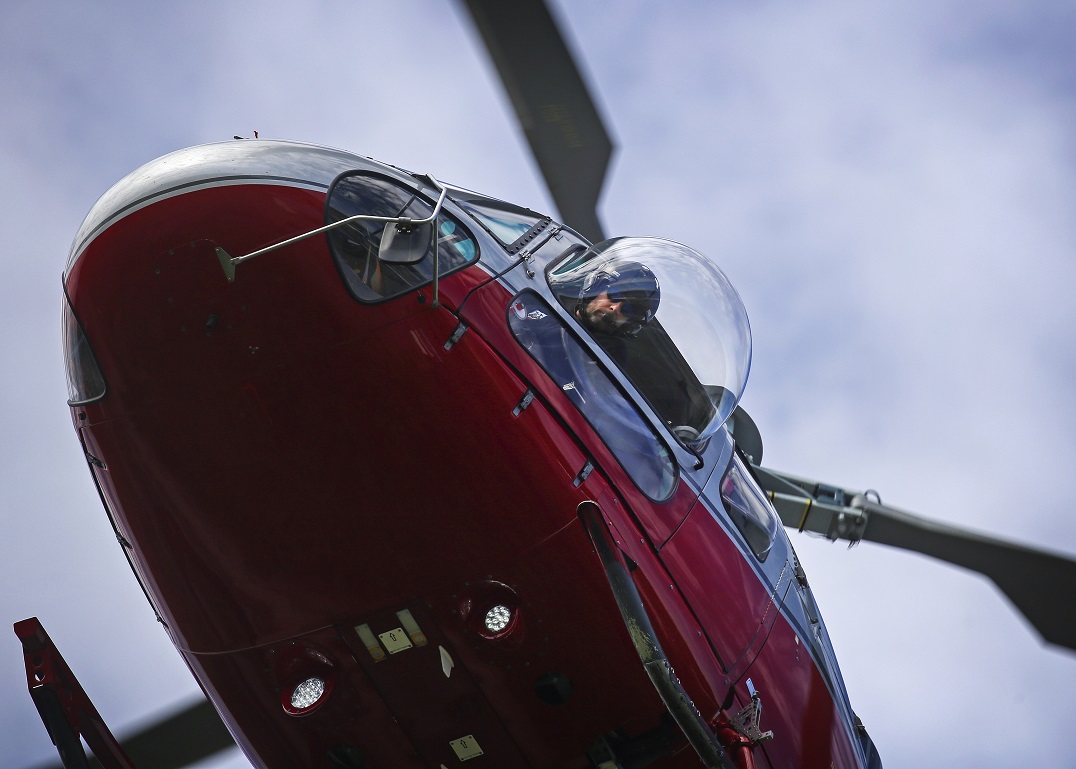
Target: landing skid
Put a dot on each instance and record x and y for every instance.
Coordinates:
(64, 707)
(679, 705)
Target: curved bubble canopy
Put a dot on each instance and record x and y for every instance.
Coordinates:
(691, 360)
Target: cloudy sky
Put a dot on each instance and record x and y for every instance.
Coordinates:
(890, 185)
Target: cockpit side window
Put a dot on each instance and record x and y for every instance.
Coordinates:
(355, 245)
(748, 507)
(640, 451)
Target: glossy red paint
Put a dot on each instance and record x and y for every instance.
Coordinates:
(704, 563)
(288, 465)
(485, 311)
(279, 475)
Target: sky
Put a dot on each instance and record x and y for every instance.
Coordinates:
(890, 186)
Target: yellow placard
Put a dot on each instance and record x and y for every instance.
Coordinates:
(395, 641)
(466, 747)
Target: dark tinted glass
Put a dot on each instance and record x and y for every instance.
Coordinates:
(355, 245)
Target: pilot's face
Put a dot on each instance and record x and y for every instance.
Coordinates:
(603, 314)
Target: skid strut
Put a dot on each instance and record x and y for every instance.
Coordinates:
(64, 707)
(677, 702)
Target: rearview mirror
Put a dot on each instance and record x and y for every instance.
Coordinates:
(405, 243)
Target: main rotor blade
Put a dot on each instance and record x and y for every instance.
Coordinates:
(1042, 585)
(183, 738)
(552, 103)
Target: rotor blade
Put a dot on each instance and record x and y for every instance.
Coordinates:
(183, 738)
(1040, 584)
(552, 103)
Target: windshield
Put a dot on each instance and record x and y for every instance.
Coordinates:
(672, 322)
(508, 223)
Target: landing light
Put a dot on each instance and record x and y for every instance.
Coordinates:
(307, 693)
(497, 618)
(306, 696)
(491, 610)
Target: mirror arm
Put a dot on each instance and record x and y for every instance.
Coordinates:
(436, 264)
(229, 263)
(436, 269)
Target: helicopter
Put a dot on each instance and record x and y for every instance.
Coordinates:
(240, 279)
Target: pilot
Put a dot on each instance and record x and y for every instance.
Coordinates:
(613, 302)
(618, 298)
(617, 304)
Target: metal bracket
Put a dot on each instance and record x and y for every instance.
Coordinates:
(457, 334)
(848, 526)
(588, 468)
(228, 262)
(746, 722)
(830, 494)
(526, 258)
(526, 254)
(526, 400)
(65, 709)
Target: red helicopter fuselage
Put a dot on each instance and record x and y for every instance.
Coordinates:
(329, 469)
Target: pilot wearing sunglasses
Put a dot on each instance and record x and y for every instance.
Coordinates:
(617, 304)
(618, 298)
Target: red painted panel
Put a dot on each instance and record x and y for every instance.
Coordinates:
(305, 462)
(728, 598)
(310, 461)
(486, 311)
(246, 686)
(798, 706)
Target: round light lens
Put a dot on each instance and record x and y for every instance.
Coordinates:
(306, 694)
(497, 618)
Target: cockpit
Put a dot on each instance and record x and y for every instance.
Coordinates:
(623, 318)
(681, 333)
(664, 316)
